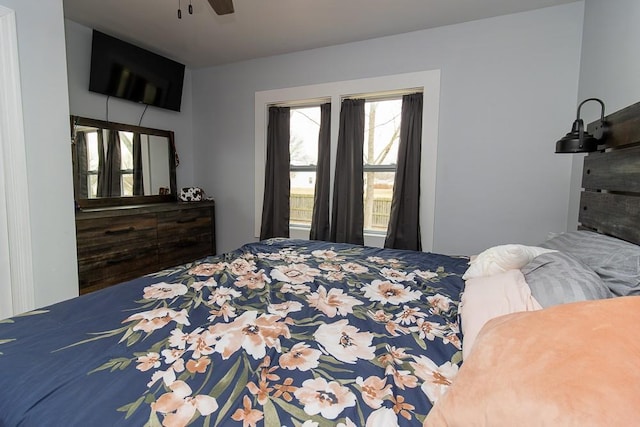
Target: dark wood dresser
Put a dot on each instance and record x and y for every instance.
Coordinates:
(121, 243)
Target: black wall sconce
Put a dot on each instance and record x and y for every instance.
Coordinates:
(579, 140)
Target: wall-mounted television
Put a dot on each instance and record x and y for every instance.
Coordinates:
(129, 72)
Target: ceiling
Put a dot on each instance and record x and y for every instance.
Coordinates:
(260, 28)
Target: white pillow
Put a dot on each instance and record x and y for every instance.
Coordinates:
(499, 259)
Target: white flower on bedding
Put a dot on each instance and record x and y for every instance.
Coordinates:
(428, 330)
(382, 417)
(436, 379)
(396, 275)
(222, 294)
(328, 255)
(226, 312)
(333, 302)
(345, 342)
(409, 315)
(284, 308)
(296, 274)
(179, 406)
(164, 290)
(251, 332)
(328, 399)
(157, 318)
(389, 292)
(426, 275)
(209, 283)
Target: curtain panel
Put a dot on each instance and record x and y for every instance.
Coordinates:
(82, 164)
(320, 221)
(109, 165)
(403, 231)
(138, 180)
(275, 205)
(347, 217)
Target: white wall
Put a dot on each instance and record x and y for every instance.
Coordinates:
(508, 89)
(93, 105)
(609, 70)
(41, 51)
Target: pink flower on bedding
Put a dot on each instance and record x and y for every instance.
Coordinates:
(251, 332)
(157, 318)
(389, 292)
(226, 312)
(374, 390)
(327, 266)
(436, 379)
(179, 406)
(253, 280)
(402, 378)
(295, 274)
(335, 276)
(207, 269)
(164, 290)
(327, 255)
(345, 342)
(328, 399)
(439, 303)
(148, 361)
(247, 415)
(355, 268)
(301, 357)
(333, 302)
(241, 266)
(201, 343)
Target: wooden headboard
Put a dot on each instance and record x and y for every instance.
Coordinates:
(610, 201)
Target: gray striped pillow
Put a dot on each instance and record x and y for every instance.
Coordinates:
(558, 278)
(617, 262)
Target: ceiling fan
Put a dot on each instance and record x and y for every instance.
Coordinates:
(222, 7)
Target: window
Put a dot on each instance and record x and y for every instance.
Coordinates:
(379, 168)
(126, 162)
(381, 138)
(303, 151)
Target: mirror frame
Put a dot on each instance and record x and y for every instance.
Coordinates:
(101, 202)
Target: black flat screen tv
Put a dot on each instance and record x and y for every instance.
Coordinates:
(129, 72)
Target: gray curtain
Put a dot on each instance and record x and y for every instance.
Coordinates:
(138, 180)
(320, 220)
(347, 217)
(109, 185)
(403, 231)
(82, 164)
(275, 206)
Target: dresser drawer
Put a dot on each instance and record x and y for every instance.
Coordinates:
(108, 268)
(185, 235)
(99, 235)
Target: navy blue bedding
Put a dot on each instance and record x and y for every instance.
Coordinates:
(277, 333)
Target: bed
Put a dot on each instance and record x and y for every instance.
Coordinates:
(280, 332)
(304, 333)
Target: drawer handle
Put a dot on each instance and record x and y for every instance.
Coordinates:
(120, 231)
(120, 260)
(185, 221)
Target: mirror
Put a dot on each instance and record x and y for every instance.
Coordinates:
(117, 164)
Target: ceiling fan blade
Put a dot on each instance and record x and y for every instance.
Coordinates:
(222, 7)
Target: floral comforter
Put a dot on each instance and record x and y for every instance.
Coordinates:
(277, 333)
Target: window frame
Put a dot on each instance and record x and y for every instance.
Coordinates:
(426, 81)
